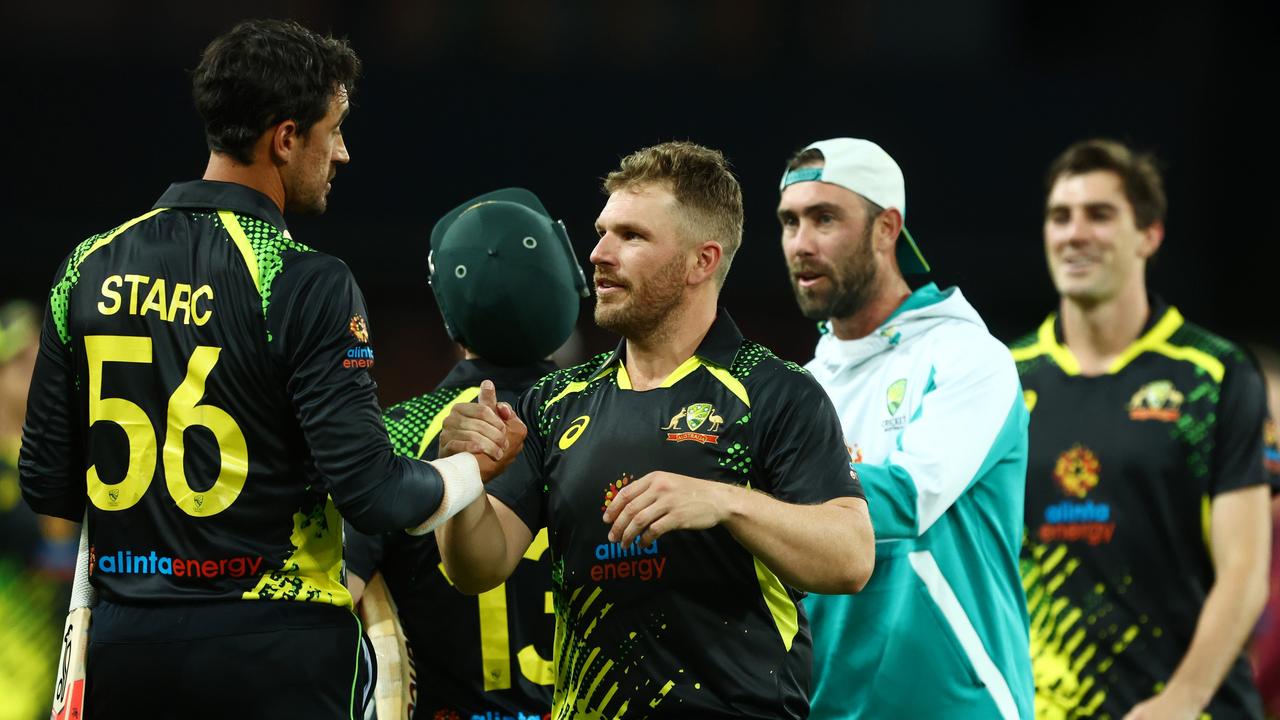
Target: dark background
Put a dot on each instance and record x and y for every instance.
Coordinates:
(972, 98)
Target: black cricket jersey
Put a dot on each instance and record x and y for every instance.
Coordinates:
(1121, 473)
(473, 654)
(203, 382)
(691, 625)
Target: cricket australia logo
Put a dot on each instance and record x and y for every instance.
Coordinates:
(893, 398)
(1158, 400)
(694, 417)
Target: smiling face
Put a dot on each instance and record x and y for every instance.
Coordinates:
(642, 260)
(315, 159)
(1094, 247)
(827, 242)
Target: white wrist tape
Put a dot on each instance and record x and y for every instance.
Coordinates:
(462, 486)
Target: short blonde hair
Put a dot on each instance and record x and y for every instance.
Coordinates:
(701, 182)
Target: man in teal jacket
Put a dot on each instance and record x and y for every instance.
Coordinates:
(933, 415)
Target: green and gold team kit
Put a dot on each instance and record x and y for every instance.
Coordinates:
(487, 656)
(1123, 469)
(690, 625)
(203, 387)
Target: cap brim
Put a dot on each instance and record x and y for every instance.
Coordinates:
(520, 196)
(910, 260)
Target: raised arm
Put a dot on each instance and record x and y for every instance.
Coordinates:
(482, 545)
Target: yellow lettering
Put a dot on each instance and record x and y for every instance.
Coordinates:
(110, 294)
(181, 299)
(155, 300)
(133, 281)
(196, 315)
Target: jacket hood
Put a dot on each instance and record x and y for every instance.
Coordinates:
(923, 310)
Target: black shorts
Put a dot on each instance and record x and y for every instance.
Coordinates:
(231, 659)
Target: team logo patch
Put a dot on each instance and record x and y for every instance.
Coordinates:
(359, 328)
(612, 489)
(1077, 471)
(1271, 448)
(896, 393)
(694, 417)
(1158, 400)
(855, 457)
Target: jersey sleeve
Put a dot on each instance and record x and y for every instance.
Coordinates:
(51, 467)
(320, 337)
(1238, 456)
(520, 487)
(805, 460)
(970, 417)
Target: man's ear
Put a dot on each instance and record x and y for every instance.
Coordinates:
(885, 231)
(1152, 237)
(285, 140)
(706, 261)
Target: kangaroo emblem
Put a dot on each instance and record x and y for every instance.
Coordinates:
(673, 425)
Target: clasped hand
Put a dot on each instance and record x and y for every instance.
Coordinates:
(488, 429)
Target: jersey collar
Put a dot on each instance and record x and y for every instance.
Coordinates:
(1162, 322)
(222, 196)
(719, 346)
(469, 373)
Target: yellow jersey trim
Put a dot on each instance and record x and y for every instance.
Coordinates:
(241, 240)
(578, 386)
(779, 603)
(1155, 340)
(437, 422)
(100, 242)
(313, 571)
(682, 372)
(727, 379)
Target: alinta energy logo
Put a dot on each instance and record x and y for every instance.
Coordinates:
(451, 714)
(694, 417)
(126, 562)
(619, 562)
(1077, 472)
(1158, 400)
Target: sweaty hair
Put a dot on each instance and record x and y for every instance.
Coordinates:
(702, 184)
(264, 72)
(1138, 174)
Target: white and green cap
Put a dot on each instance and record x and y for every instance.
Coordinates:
(864, 168)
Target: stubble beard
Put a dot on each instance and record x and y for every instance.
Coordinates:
(650, 305)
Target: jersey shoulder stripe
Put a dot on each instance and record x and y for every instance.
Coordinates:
(553, 388)
(263, 247)
(61, 292)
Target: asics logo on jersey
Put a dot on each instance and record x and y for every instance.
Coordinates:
(574, 431)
